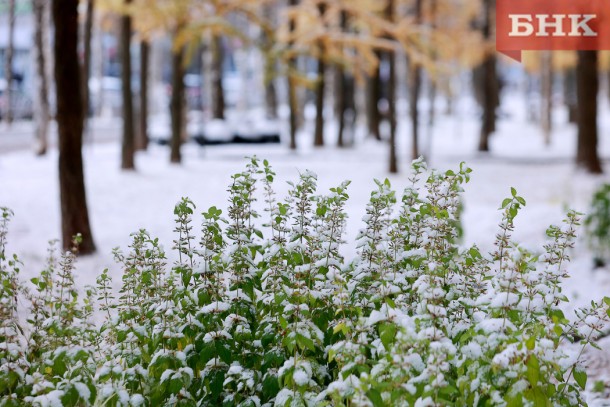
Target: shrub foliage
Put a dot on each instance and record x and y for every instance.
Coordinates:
(597, 225)
(262, 309)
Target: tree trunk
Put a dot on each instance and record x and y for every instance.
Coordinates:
(415, 74)
(177, 104)
(74, 214)
(488, 123)
(87, 56)
(569, 94)
(318, 139)
(128, 147)
(270, 92)
(42, 101)
(142, 143)
(8, 60)
(340, 104)
(218, 99)
(432, 88)
(293, 105)
(292, 90)
(269, 68)
(393, 167)
(587, 86)
(414, 92)
(393, 161)
(608, 84)
(546, 93)
(346, 105)
(373, 96)
(489, 84)
(344, 92)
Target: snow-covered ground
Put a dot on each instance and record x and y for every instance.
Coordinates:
(122, 202)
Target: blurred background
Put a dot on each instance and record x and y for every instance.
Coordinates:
(164, 99)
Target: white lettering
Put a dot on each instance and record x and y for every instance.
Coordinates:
(519, 27)
(547, 22)
(581, 28)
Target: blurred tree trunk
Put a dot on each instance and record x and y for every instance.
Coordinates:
(608, 84)
(432, 98)
(8, 61)
(87, 56)
(128, 147)
(269, 68)
(270, 92)
(373, 96)
(292, 91)
(393, 161)
(346, 106)
(587, 87)
(99, 72)
(142, 141)
(414, 92)
(218, 99)
(433, 88)
(318, 139)
(488, 82)
(74, 214)
(177, 104)
(344, 94)
(415, 74)
(546, 93)
(42, 115)
(569, 94)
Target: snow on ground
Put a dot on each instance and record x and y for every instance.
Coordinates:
(122, 202)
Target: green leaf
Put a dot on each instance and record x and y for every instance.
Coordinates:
(515, 401)
(581, 378)
(387, 333)
(223, 352)
(339, 327)
(305, 343)
(375, 397)
(540, 399)
(271, 386)
(217, 378)
(533, 370)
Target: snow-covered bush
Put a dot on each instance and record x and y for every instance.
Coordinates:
(263, 309)
(597, 225)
